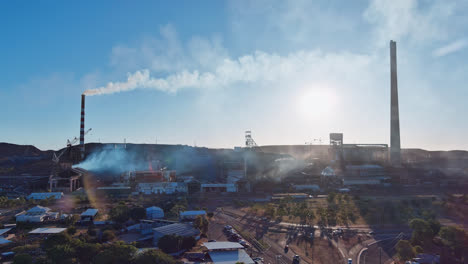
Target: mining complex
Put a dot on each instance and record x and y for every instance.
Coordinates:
(311, 203)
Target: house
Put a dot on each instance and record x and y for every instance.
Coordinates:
(37, 214)
(45, 195)
(154, 212)
(179, 229)
(227, 253)
(89, 215)
(190, 215)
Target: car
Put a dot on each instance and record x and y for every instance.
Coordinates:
(350, 261)
(371, 232)
(258, 260)
(296, 259)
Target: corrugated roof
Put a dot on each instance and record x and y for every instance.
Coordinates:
(90, 212)
(230, 257)
(47, 230)
(4, 230)
(177, 229)
(187, 213)
(222, 245)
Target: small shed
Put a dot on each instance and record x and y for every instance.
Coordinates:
(89, 214)
(154, 212)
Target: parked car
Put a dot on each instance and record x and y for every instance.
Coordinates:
(296, 259)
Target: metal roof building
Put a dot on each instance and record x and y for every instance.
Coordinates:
(154, 212)
(224, 245)
(191, 214)
(45, 195)
(47, 230)
(179, 229)
(90, 212)
(230, 257)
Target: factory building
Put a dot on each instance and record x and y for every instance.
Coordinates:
(179, 229)
(45, 195)
(364, 175)
(161, 187)
(219, 187)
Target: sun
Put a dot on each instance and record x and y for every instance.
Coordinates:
(317, 103)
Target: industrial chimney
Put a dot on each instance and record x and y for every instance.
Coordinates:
(82, 132)
(395, 155)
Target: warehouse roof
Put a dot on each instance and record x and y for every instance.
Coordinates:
(230, 257)
(39, 209)
(177, 229)
(90, 212)
(47, 230)
(222, 245)
(45, 195)
(191, 213)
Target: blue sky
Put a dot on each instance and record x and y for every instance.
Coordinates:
(203, 72)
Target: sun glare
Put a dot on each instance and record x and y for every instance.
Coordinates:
(317, 103)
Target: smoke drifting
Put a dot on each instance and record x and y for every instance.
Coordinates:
(261, 67)
(113, 160)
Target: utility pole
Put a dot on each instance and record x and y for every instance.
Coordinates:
(380, 255)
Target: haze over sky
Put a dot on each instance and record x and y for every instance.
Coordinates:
(206, 71)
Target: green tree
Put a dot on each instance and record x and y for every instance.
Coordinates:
(169, 243)
(55, 240)
(404, 250)
(86, 251)
(137, 213)
(418, 249)
(188, 242)
(422, 232)
(201, 223)
(331, 197)
(120, 213)
(22, 258)
(108, 235)
(154, 256)
(118, 252)
(71, 230)
(61, 254)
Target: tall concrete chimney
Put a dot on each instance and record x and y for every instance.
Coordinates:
(82, 144)
(395, 156)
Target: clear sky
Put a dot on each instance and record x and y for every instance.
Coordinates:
(203, 72)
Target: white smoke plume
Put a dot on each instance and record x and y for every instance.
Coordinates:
(260, 67)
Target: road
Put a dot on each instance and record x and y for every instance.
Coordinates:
(382, 234)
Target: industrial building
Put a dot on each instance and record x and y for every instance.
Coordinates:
(45, 195)
(364, 175)
(179, 229)
(161, 187)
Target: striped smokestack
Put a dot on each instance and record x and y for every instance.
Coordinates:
(82, 145)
